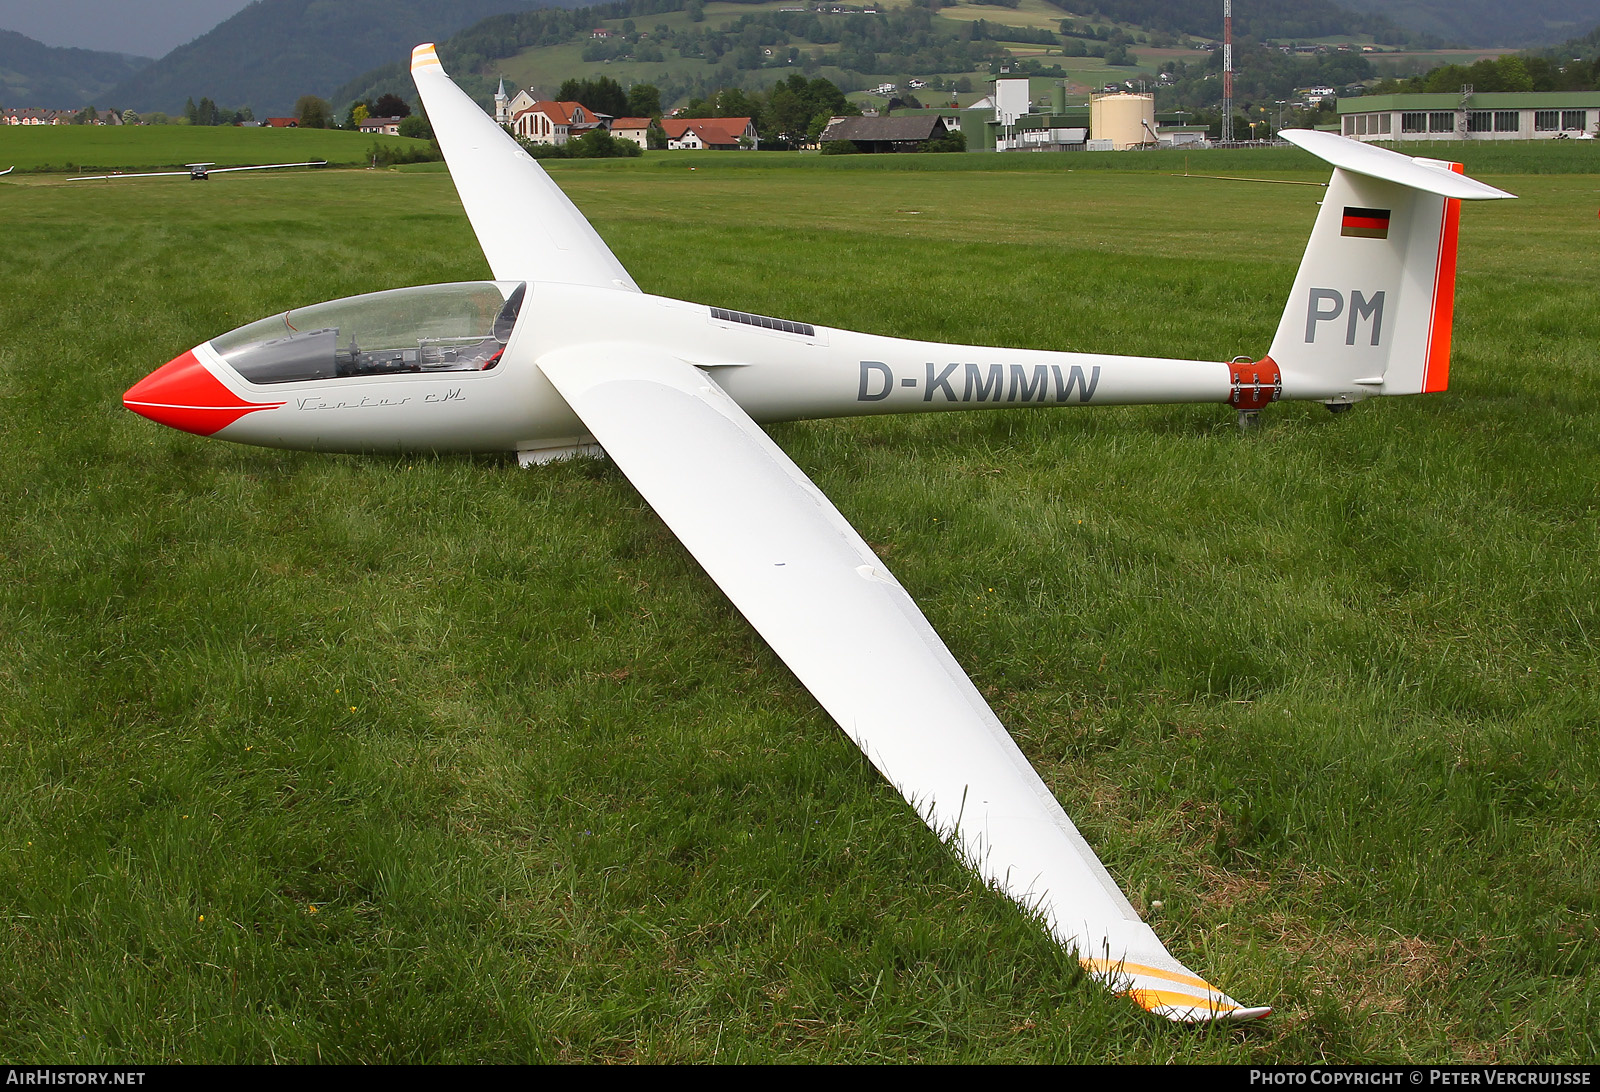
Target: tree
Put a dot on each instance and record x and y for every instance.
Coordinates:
(417, 126)
(312, 112)
(603, 95)
(599, 144)
(644, 101)
(390, 105)
(359, 112)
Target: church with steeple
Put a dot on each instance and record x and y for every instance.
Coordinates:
(502, 104)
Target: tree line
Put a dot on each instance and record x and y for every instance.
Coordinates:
(793, 113)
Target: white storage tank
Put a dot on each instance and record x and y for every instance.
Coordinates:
(1127, 120)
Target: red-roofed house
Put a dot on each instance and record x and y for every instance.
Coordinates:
(722, 133)
(634, 129)
(284, 123)
(30, 116)
(548, 122)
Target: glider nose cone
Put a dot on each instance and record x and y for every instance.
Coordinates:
(183, 394)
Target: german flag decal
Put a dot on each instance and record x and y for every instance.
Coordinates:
(1365, 223)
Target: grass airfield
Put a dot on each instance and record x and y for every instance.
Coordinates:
(433, 759)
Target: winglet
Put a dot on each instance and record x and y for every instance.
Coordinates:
(423, 56)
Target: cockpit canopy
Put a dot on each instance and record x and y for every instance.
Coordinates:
(435, 328)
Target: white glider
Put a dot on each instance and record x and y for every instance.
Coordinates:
(198, 172)
(562, 353)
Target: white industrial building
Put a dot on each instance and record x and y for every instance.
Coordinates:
(1493, 115)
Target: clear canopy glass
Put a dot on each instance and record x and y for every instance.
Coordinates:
(434, 328)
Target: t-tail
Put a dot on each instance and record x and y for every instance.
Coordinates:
(1372, 305)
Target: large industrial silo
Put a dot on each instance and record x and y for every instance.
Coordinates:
(1126, 120)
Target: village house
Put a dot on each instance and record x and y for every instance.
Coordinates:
(634, 129)
(701, 133)
(32, 116)
(36, 117)
(387, 126)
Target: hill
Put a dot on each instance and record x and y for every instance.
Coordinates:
(1488, 22)
(1279, 19)
(687, 50)
(34, 74)
(274, 51)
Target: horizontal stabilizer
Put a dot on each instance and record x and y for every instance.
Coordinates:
(1427, 175)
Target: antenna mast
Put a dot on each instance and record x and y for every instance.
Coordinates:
(1227, 71)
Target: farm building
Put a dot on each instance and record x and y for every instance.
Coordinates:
(1497, 115)
(901, 133)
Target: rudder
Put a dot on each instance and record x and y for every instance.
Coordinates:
(1371, 311)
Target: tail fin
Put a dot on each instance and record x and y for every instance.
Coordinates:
(1371, 308)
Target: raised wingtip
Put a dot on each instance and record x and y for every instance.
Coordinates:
(423, 56)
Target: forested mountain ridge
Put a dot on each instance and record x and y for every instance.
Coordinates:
(687, 51)
(33, 74)
(274, 51)
(1487, 22)
(1254, 18)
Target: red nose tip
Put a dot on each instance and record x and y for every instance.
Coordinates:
(185, 395)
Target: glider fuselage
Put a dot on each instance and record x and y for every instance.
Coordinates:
(775, 369)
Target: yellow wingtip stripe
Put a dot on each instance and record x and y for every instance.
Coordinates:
(1151, 1000)
(424, 55)
(1106, 966)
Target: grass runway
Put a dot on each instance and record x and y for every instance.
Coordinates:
(431, 759)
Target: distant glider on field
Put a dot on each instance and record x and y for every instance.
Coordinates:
(562, 353)
(197, 172)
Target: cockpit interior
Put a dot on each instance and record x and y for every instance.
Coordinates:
(461, 327)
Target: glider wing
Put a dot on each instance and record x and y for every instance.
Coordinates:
(830, 609)
(108, 177)
(268, 166)
(528, 228)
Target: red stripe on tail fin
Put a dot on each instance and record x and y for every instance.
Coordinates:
(1436, 373)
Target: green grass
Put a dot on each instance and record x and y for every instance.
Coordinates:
(1480, 157)
(432, 759)
(150, 147)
